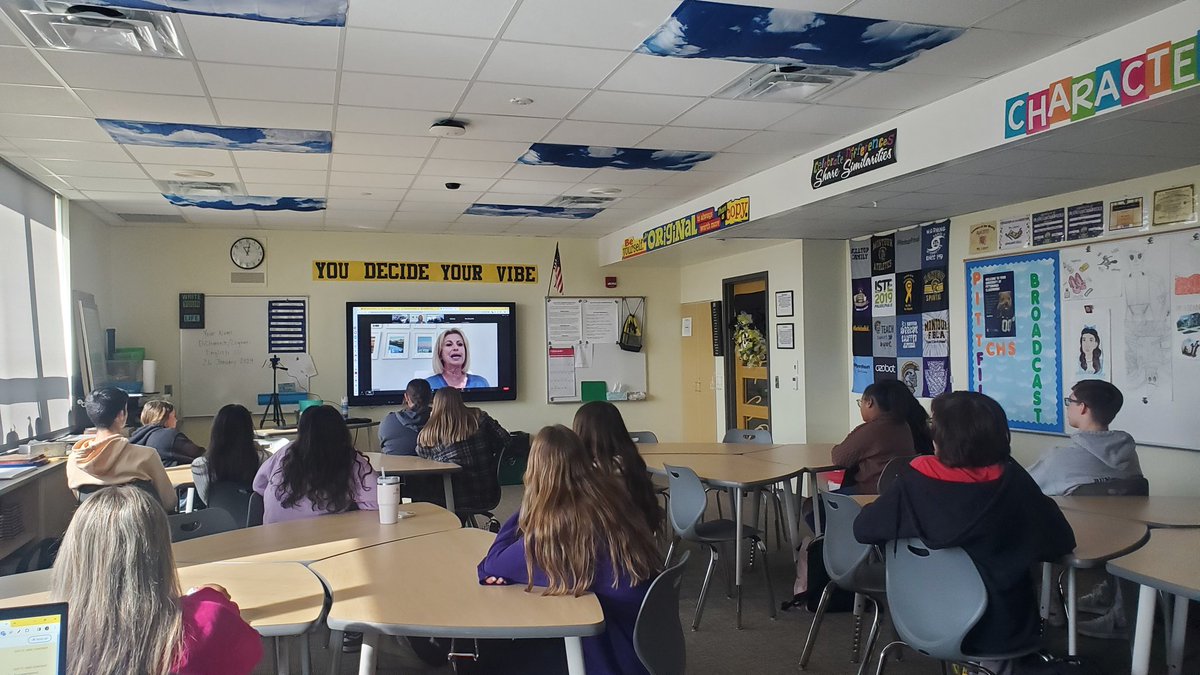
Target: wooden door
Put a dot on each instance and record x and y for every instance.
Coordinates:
(699, 397)
(751, 389)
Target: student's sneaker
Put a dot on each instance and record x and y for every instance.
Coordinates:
(1098, 600)
(1110, 626)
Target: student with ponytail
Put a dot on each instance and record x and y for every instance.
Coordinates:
(894, 425)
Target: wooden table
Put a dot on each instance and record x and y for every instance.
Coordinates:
(428, 587)
(313, 539)
(1153, 511)
(1166, 563)
(180, 475)
(279, 600)
(699, 448)
(411, 465)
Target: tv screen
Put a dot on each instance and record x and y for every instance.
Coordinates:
(470, 346)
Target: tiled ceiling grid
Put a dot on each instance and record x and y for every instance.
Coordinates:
(395, 68)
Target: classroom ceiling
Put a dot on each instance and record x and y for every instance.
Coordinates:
(394, 68)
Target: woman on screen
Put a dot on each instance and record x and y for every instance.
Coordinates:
(1090, 355)
(451, 358)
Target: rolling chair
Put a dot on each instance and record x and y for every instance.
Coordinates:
(658, 633)
(185, 526)
(235, 500)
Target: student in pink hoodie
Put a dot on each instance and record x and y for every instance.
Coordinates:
(109, 458)
(116, 572)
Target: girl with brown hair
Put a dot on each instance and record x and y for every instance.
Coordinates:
(602, 430)
(468, 437)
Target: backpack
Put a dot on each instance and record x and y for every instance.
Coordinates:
(631, 331)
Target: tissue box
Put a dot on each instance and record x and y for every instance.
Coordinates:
(617, 396)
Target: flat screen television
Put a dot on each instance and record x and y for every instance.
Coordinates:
(470, 345)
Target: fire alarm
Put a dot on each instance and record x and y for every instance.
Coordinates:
(610, 282)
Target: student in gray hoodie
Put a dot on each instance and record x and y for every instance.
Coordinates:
(398, 431)
(1095, 452)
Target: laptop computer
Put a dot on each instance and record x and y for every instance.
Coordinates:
(33, 639)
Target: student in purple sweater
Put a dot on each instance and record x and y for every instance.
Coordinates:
(319, 473)
(573, 536)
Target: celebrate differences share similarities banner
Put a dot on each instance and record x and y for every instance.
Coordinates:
(901, 326)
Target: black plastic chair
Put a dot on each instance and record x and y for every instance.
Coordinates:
(658, 633)
(1113, 487)
(234, 499)
(185, 526)
(146, 486)
(747, 436)
(643, 436)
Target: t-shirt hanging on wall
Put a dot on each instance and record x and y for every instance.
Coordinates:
(899, 327)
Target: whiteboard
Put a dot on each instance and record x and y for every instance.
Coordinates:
(581, 345)
(224, 361)
(1142, 297)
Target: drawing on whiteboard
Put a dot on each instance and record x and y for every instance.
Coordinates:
(1147, 327)
(1092, 273)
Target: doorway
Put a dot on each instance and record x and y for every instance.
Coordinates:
(696, 349)
(747, 353)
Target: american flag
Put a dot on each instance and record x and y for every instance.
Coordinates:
(556, 277)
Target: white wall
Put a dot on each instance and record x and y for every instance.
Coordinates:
(90, 268)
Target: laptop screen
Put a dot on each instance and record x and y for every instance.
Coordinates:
(33, 640)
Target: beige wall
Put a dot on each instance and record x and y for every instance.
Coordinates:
(90, 269)
(150, 266)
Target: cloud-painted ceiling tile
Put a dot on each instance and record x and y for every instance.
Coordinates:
(597, 157)
(297, 12)
(166, 135)
(531, 211)
(239, 203)
(713, 30)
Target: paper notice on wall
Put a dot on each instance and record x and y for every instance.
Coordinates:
(564, 320)
(600, 320)
(560, 374)
(1015, 233)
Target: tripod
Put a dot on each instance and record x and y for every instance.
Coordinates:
(274, 409)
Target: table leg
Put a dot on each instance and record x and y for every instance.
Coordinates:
(755, 497)
(283, 653)
(1047, 575)
(1178, 635)
(1072, 636)
(792, 514)
(305, 655)
(575, 665)
(449, 488)
(366, 660)
(738, 548)
(1143, 634)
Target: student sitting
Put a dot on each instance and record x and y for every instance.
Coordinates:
(318, 473)
(602, 429)
(971, 494)
(117, 573)
(894, 425)
(159, 431)
(1094, 452)
(468, 437)
(108, 458)
(398, 431)
(572, 535)
(232, 456)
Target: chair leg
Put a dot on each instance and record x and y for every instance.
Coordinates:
(727, 562)
(871, 636)
(856, 641)
(767, 576)
(712, 563)
(883, 657)
(670, 552)
(816, 625)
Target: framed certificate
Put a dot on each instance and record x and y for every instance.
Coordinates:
(1175, 205)
(785, 335)
(783, 304)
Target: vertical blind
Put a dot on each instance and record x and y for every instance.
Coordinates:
(35, 334)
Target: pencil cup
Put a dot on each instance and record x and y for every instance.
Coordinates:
(389, 499)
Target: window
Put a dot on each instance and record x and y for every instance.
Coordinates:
(35, 333)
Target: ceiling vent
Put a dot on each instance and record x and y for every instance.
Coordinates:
(577, 201)
(151, 218)
(789, 84)
(199, 189)
(96, 28)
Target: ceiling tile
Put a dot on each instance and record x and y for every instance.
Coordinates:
(612, 24)
(834, 119)
(147, 107)
(261, 43)
(689, 138)
(222, 174)
(461, 148)
(215, 217)
(599, 133)
(284, 190)
(147, 154)
(431, 182)
(496, 98)
(610, 176)
(685, 77)
(679, 192)
(503, 128)
(66, 167)
(583, 188)
(17, 98)
(533, 187)
(56, 128)
(385, 194)
(7, 37)
(391, 181)
(422, 208)
(550, 65)
(371, 205)
(902, 90)
(472, 18)
(740, 163)
(51, 149)
(378, 144)
(648, 207)
(722, 114)
(558, 174)
(707, 179)
(158, 208)
(385, 121)
(500, 223)
(290, 220)
(615, 106)
(126, 197)
(1077, 18)
(516, 199)
(378, 51)
(281, 160)
(959, 13)
(456, 197)
(274, 114)
(293, 176)
(32, 167)
(465, 168)
(376, 163)
(985, 53)
(125, 73)
(793, 142)
(398, 91)
(225, 80)
(113, 184)
(19, 66)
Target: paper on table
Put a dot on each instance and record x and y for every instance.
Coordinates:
(600, 320)
(564, 320)
(560, 374)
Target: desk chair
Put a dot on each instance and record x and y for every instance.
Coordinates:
(185, 526)
(1114, 487)
(747, 436)
(146, 486)
(643, 436)
(468, 516)
(234, 499)
(687, 506)
(924, 621)
(658, 634)
(851, 567)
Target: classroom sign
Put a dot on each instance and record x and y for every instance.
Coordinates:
(866, 155)
(1013, 319)
(732, 212)
(432, 272)
(900, 325)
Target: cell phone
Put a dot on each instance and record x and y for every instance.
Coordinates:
(405, 514)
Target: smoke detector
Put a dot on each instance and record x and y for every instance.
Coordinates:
(448, 128)
(82, 27)
(789, 84)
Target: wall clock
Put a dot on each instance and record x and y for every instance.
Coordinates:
(247, 253)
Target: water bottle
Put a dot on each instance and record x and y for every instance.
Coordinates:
(345, 408)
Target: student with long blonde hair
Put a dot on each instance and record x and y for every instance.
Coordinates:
(116, 572)
(573, 536)
(468, 437)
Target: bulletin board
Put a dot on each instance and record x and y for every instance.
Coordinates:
(581, 346)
